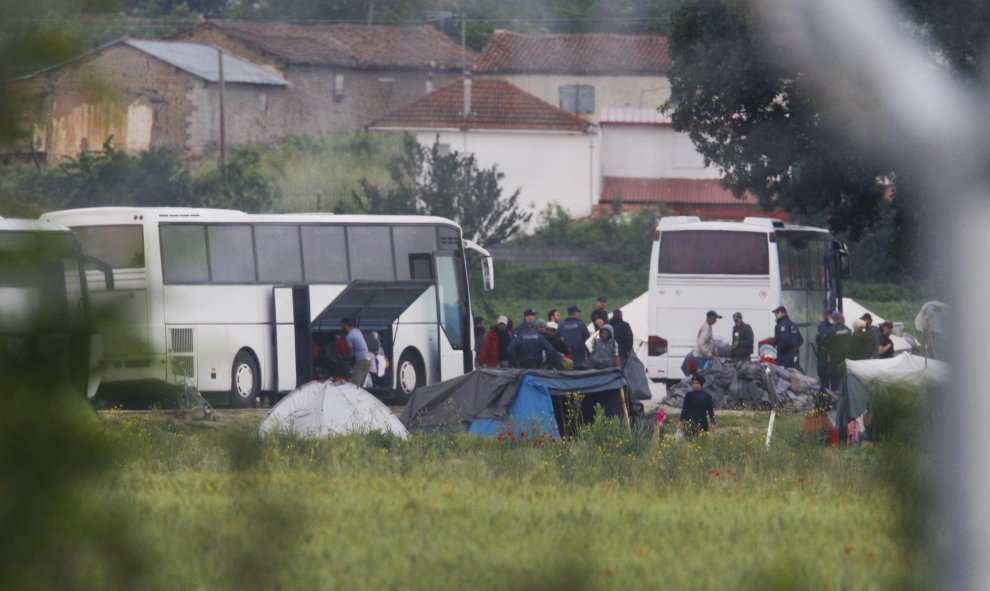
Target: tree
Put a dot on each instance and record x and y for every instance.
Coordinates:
(239, 182)
(428, 182)
(760, 124)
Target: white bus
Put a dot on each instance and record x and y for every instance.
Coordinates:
(751, 267)
(231, 302)
(45, 322)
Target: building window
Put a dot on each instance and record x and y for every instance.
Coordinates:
(338, 88)
(578, 98)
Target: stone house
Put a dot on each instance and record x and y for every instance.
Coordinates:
(341, 77)
(146, 94)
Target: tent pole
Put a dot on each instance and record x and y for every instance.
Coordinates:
(773, 415)
(625, 408)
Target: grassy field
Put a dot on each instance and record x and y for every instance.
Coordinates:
(208, 505)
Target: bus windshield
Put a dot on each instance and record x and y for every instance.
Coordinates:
(696, 252)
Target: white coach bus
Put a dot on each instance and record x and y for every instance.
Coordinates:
(231, 302)
(44, 305)
(750, 267)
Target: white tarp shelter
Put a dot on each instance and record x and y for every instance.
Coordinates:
(322, 409)
(868, 377)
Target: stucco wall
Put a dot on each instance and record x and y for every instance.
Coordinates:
(651, 151)
(547, 168)
(610, 91)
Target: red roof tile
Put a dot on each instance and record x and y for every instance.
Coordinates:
(701, 197)
(603, 54)
(353, 46)
(495, 104)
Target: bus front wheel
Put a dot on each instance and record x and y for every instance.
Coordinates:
(245, 381)
(410, 374)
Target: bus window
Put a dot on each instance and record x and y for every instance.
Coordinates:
(121, 247)
(369, 250)
(184, 254)
(714, 253)
(410, 241)
(421, 266)
(278, 253)
(324, 254)
(231, 254)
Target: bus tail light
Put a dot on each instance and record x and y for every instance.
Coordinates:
(657, 346)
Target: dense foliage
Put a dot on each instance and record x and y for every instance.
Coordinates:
(758, 121)
(427, 181)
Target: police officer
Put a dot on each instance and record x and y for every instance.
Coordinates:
(527, 349)
(575, 333)
(786, 338)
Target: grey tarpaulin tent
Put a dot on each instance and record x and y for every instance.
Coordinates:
(869, 377)
(488, 394)
(321, 409)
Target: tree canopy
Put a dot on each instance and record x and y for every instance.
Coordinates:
(428, 181)
(759, 122)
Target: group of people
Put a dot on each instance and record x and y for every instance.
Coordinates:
(554, 343)
(352, 356)
(836, 342)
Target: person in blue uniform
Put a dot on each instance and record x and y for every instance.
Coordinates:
(786, 338)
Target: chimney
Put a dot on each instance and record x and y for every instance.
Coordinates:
(467, 95)
(429, 82)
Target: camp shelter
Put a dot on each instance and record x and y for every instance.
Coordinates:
(867, 378)
(484, 401)
(321, 409)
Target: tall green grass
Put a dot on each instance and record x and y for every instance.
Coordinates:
(213, 508)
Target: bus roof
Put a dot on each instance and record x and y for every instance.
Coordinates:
(95, 215)
(19, 225)
(753, 224)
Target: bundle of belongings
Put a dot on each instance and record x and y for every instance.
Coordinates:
(751, 385)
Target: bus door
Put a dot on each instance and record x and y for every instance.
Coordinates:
(455, 355)
(293, 340)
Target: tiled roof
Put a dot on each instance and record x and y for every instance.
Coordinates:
(201, 60)
(602, 54)
(701, 197)
(354, 46)
(495, 104)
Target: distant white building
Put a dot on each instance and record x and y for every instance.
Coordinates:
(551, 155)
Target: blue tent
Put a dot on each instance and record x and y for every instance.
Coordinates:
(493, 401)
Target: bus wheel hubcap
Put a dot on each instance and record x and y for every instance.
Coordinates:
(245, 380)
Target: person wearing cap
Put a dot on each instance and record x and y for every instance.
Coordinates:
(493, 352)
(529, 349)
(787, 338)
(575, 333)
(698, 410)
(742, 339)
(705, 343)
(871, 329)
(599, 313)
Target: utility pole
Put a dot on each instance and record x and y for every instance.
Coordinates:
(223, 130)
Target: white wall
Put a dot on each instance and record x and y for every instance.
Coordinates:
(547, 167)
(651, 151)
(610, 91)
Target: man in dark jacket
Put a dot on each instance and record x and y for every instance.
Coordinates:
(529, 348)
(599, 313)
(786, 338)
(575, 334)
(836, 345)
(623, 334)
(697, 410)
(742, 339)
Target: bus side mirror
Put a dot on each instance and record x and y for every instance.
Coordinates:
(844, 270)
(488, 273)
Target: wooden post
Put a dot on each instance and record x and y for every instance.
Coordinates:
(625, 408)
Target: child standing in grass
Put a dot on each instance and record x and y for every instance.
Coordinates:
(697, 410)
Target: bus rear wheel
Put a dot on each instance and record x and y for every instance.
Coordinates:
(409, 375)
(245, 381)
